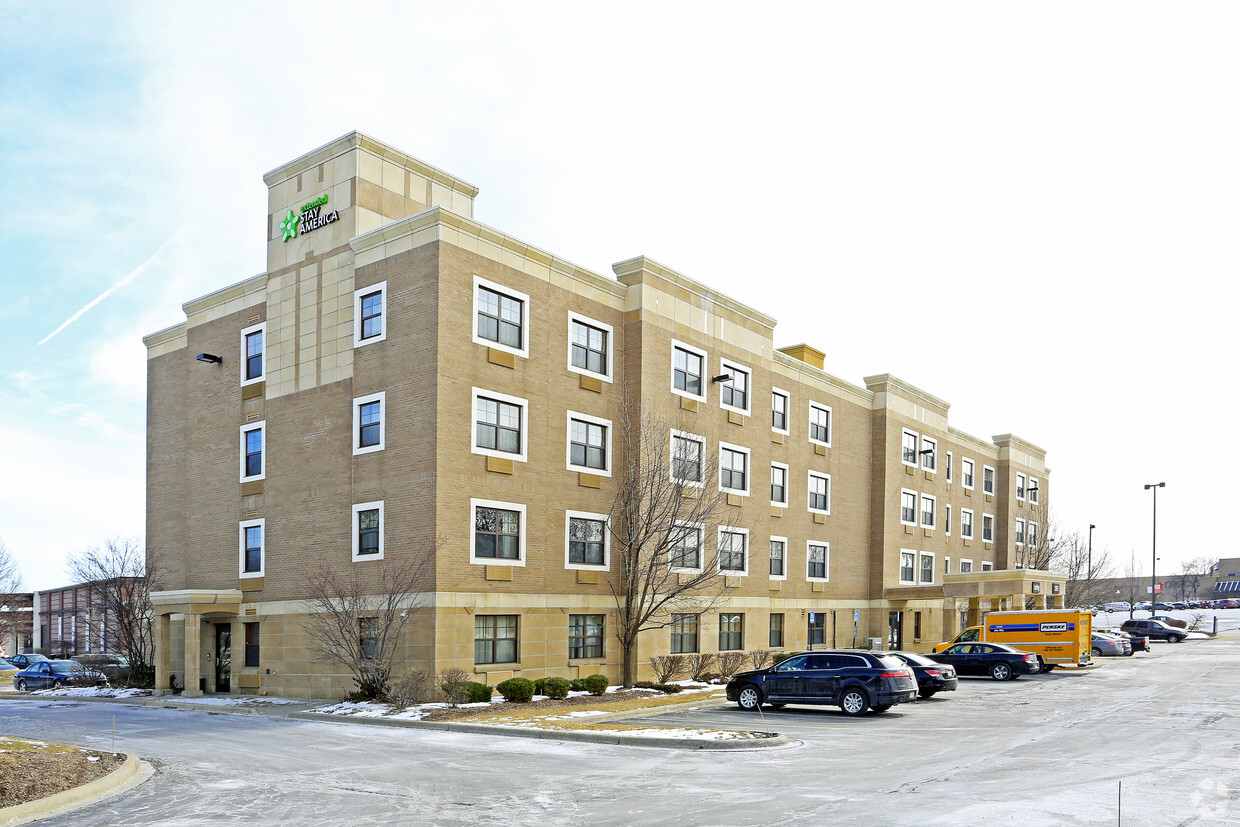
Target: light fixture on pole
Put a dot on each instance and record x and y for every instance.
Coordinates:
(1154, 546)
(1089, 567)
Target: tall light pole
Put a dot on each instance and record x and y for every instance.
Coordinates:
(1154, 548)
(1089, 567)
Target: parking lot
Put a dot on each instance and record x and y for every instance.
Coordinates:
(1047, 749)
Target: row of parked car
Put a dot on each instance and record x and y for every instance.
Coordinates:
(1179, 605)
(41, 672)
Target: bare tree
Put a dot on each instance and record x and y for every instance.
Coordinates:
(121, 576)
(356, 618)
(10, 588)
(1191, 573)
(1088, 574)
(667, 497)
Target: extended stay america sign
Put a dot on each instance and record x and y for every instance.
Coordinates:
(312, 217)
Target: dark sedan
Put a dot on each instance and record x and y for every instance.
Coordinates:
(53, 674)
(855, 681)
(1153, 629)
(999, 661)
(932, 676)
(25, 659)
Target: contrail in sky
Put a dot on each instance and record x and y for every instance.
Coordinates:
(126, 280)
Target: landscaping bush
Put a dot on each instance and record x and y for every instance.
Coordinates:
(578, 685)
(556, 688)
(540, 686)
(731, 662)
(594, 684)
(760, 658)
(516, 690)
(413, 687)
(666, 667)
(480, 693)
(778, 657)
(455, 686)
(667, 688)
(698, 665)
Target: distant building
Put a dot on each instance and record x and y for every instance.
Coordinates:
(72, 620)
(16, 623)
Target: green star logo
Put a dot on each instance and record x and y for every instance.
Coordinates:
(289, 225)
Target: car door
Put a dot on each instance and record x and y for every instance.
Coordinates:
(961, 657)
(822, 678)
(783, 681)
(42, 676)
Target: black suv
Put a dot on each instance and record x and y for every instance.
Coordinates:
(1153, 629)
(854, 681)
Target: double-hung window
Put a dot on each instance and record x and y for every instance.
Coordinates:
(818, 559)
(733, 550)
(1020, 532)
(687, 454)
(966, 473)
(949, 466)
(908, 448)
(587, 540)
(685, 547)
(908, 507)
(1020, 486)
(497, 530)
(1031, 538)
(369, 316)
(731, 632)
(927, 568)
(779, 411)
(588, 439)
(1033, 491)
(251, 644)
(589, 346)
(779, 554)
(734, 392)
(819, 424)
(966, 523)
(252, 562)
(495, 639)
(684, 628)
(908, 574)
(499, 425)
(929, 453)
(501, 317)
(368, 531)
(585, 636)
(779, 484)
(776, 636)
(368, 423)
(819, 493)
(253, 445)
(734, 469)
(988, 528)
(253, 349)
(988, 479)
(688, 365)
(927, 511)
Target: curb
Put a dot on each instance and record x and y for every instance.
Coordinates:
(128, 775)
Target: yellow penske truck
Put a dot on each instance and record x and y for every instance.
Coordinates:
(1061, 637)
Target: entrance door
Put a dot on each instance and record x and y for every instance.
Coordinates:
(895, 630)
(223, 657)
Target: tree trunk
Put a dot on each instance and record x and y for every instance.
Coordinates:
(629, 668)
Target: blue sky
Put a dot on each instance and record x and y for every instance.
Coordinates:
(1028, 211)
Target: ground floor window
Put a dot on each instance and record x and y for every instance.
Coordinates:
(251, 644)
(585, 636)
(777, 630)
(731, 632)
(495, 639)
(368, 636)
(817, 628)
(684, 634)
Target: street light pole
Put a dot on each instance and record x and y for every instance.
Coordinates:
(1154, 547)
(1089, 567)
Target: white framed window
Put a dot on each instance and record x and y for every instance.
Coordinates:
(684, 547)
(252, 548)
(929, 454)
(589, 444)
(988, 528)
(908, 566)
(817, 561)
(501, 317)
(733, 546)
(733, 469)
(948, 468)
(368, 531)
(734, 394)
(908, 507)
(966, 473)
(819, 501)
(908, 447)
(254, 451)
(590, 346)
(926, 567)
(988, 566)
(586, 541)
(1032, 537)
(947, 519)
(254, 354)
(779, 484)
(1019, 533)
(966, 566)
(819, 424)
(500, 425)
(688, 457)
(779, 558)
(928, 505)
(370, 314)
(780, 405)
(947, 565)
(496, 533)
(1020, 486)
(369, 423)
(1034, 489)
(966, 523)
(688, 371)
(988, 479)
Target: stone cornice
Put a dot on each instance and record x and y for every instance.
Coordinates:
(628, 272)
(886, 382)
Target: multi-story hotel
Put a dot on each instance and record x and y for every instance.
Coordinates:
(403, 377)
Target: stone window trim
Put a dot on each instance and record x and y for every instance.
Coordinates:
(522, 533)
(785, 429)
(812, 549)
(783, 541)
(730, 534)
(359, 322)
(251, 376)
(609, 345)
(505, 292)
(813, 501)
(606, 425)
(259, 427)
(358, 424)
(703, 380)
(740, 389)
(358, 510)
(817, 425)
(261, 525)
(523, 404)
(569, 516)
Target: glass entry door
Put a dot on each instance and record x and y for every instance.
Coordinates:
(895, 630)
(223, 657)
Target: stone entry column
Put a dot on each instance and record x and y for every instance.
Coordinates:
(163, 652)
(193, 655)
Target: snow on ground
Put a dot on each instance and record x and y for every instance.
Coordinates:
(93, 692)
(1228, 619)
(232, 700)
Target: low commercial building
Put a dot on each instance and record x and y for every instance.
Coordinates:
(405, 380)
(16, 623)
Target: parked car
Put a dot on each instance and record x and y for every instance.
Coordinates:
(1179, 605)
(25, 659)
(1171, 621)
(932, 677)
(1138, 643)
(855, 681)
(1110, 646)
(108, 664)
(52, 674)
(1153, 629)
(1000, 661)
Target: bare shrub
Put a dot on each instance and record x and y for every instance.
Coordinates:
(413, 687)
(699, 665)
(731, 662)
(667, 667)
(761, 658)
(455, 686)
(1198, 622)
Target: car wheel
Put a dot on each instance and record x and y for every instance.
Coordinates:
(56, 684)
(927, 693)
(1174, 638)
(854, 701)
(21, 686)
(749, 698)
(881, 708)
(1001, 672)
(1096, 652)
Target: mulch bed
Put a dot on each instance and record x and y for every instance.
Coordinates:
(30, 770)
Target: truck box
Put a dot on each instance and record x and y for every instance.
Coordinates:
(1061, 637)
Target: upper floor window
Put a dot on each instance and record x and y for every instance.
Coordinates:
(685, 547)
(927, 567)
(819, 424)
(501, 317)
(369, 324)
(1031, 538)
(966, 523)
(733, 468)
(1033, 491)
(253, 349)
(929, 453)
(587, 540)
(779, 483)
(368, 531)
(988, 479)
(779, 411)
(733, 550)
(966, 566)
(949, 466)
(988, 528)
(1020, 486)
(819, 493)
(734, 392)
(908, 574)
(499, 425)
(927, 511)
(817, 561)
(688, 452)
(588, 440)
(252, 562)
(779, 552)
(589, 346)
(253, 443)
(947, 519)
(1020, 532)
(688, 365)
(908, 448)
(497, 532)
(966, 473)
(368, 425)
(908, 507)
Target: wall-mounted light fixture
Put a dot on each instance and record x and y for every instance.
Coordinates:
(209, 358)
(723, 377)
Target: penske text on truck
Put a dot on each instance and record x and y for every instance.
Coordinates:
(1061, 637)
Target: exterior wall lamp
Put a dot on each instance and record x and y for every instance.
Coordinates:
(723, 377)
(209, 358)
